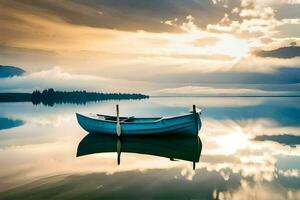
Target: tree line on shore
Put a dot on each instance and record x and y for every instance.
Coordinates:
(50, 97)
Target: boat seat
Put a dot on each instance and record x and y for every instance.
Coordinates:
(129, 119)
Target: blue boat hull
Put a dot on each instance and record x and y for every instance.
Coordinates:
(188, 124)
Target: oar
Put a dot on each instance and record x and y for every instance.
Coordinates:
(118, 127)
(119, 150)
(196, 118)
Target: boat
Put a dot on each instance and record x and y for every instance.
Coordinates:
(187, 124)
(176, 147)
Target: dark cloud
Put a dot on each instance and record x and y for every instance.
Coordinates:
(130, 15)
(283, 52)
(282, 139)
(147, 15)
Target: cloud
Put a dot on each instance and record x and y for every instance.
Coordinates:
(284, 52)
(155, 41)
(249, 70)
(282, 139)
(246, 3)
(60, 80)
(257, 13)
(228, 82)
(255, 21)
(127, 15)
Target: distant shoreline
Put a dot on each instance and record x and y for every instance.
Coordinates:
(50, 97)
(233, 96)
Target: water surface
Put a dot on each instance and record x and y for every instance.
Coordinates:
(249, 150)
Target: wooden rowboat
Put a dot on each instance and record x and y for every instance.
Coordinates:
(168, 146)
(187, 124)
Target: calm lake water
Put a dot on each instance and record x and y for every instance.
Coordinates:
(250, 150)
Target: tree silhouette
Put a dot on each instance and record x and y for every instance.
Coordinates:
(49, 97)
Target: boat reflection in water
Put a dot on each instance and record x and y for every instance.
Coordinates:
(169, 146)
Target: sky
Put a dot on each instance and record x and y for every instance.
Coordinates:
(162, 47)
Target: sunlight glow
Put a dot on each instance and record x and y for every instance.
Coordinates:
(232, 46)
(230, 143)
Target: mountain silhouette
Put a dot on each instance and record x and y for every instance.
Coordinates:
(9, 71)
